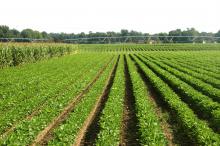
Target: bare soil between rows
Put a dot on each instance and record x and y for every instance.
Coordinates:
(129, 130)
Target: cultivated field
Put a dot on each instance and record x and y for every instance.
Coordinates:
(109, 95)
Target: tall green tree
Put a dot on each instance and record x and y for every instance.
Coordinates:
(27, 33)
(176, 32)
(15, 33)
(4, 31)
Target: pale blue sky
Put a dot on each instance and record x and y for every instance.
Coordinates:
(105, 15)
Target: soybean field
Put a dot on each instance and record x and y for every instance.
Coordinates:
(109, 95)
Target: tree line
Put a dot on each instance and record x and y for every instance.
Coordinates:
(29, 34)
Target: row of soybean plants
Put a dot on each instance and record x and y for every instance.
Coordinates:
(193, 61)
(203, 105)
(110, 117)
(67, 132)
(110, 121)
(208, 58)
(74, 73)
(189, 64)
(197, 131)
(150, 131)
(205, 88)
(13, 54)
(204, 76)
(22, 93)
(149, 126)
(205, 61)
(203, 69)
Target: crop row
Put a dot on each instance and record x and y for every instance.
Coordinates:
(149, 125)
(200, 133)
(110, 123)
(110, 120)
(197, 61)
(67, 132)
(203, 67)
(18, 91)
(204, 77)
(203, 70)
(52, 102)
(201, 58)
(28, 129)
(111, 117)
(201, 86)
(200, 103)
(23, 102)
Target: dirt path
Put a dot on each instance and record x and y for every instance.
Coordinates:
(129, 131)
(90, 128)
(43, 137)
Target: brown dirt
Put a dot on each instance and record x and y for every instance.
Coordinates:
(89, 130)
(129, 131)
(46, 134)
